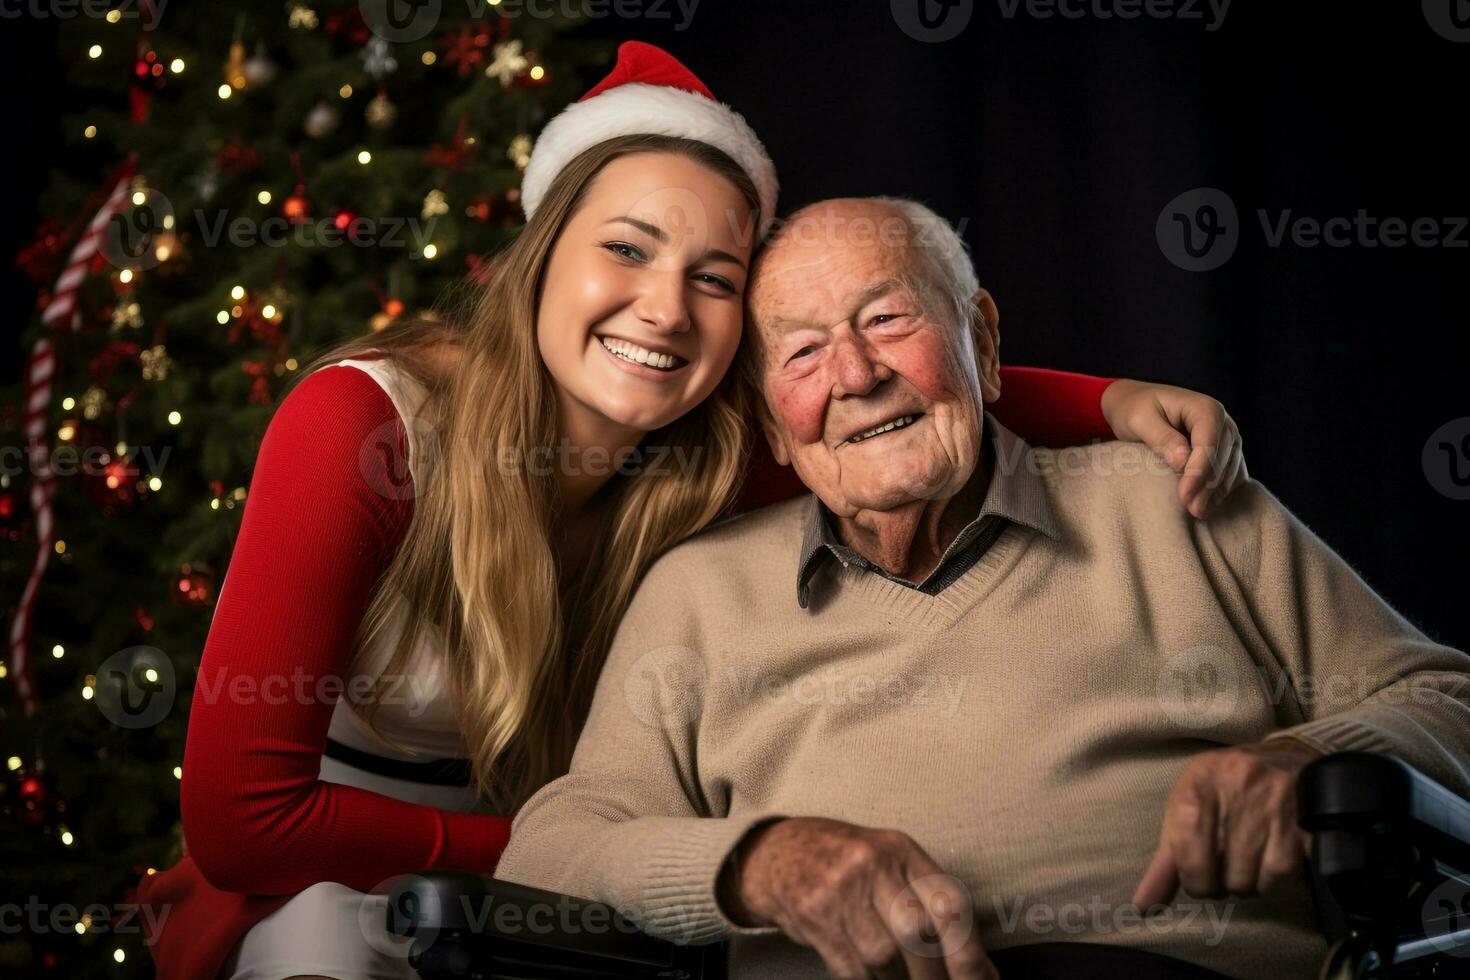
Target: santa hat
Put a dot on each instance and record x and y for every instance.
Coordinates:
(648, 92)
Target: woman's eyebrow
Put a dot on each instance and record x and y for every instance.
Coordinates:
(662, 237)
(652, 231)
(719, 255)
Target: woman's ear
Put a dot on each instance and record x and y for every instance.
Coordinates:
(985, 323)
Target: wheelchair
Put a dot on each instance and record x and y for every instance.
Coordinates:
(1389, 869)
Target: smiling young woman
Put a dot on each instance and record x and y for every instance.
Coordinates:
(404, 528)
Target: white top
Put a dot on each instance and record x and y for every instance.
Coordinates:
(417, 714)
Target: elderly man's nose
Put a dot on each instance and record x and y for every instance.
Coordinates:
(858, 372)
(662, 304)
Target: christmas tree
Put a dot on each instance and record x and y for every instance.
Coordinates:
(269, 180)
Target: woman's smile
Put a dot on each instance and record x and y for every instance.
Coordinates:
(642, 360)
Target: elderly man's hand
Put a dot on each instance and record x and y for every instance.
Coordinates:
(870, 902)
(1191, 432)
(1230, 826)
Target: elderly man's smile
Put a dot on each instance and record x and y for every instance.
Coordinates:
(892, 424)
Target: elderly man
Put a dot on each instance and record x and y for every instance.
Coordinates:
(971, 695)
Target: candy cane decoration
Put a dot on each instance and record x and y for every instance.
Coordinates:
(40, 369)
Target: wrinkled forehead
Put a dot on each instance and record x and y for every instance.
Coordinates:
(813, 280)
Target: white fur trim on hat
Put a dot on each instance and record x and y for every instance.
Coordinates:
(658, 110)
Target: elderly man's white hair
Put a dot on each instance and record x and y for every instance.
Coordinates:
(950, 278)
(951, 268)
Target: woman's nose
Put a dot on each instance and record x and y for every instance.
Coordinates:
(662, 304)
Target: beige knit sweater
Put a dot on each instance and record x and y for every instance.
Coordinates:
(1024, 726)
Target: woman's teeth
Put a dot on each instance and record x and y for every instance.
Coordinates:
(641, 355)
(897, 423)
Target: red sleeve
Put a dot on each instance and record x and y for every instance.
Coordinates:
(1052, 408)
(314, 538)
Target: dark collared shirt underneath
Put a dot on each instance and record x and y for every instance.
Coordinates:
(1016, 494)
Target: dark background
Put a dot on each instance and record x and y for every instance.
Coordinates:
(1058, 142)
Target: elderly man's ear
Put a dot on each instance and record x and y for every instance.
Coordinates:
(773, 434)
(985, 325)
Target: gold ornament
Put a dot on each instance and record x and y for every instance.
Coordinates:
(520, 151)
(303, 17)
(92, 401)
(510, 60)
(381, 111)
(235, 67)
(434, 204)
(380, 321)
(155, 363)
(127, 314)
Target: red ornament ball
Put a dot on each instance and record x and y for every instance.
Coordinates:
(34, 801)
(296, 207)
(193, 587)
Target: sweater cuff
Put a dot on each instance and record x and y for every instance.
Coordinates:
(682, 874)
(1328, 735)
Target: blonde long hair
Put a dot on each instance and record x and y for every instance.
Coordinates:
(476, 568)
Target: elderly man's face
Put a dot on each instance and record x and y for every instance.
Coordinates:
(848, 347)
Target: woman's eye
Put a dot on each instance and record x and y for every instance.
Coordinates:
(883, 318)
(625, 250)
(711, 279)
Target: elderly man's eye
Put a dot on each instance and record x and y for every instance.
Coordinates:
(802, 353)
(883, 318)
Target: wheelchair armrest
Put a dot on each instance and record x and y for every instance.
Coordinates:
(461, 924)
(1389, 846)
